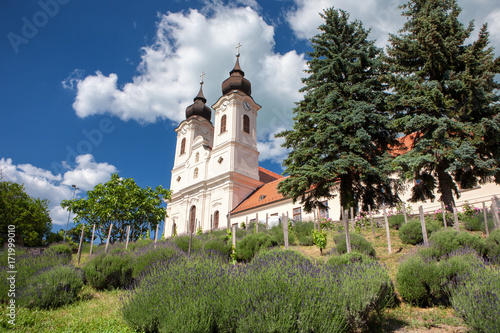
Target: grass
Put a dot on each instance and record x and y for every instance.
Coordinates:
(94, 312)
(98, 311)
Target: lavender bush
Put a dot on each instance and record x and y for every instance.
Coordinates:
(27, 265)
(475, 296)
(279, 291)
(51, 288)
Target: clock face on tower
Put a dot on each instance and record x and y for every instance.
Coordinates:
(246, 105)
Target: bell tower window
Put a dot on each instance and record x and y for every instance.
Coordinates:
(223, 124)
(246, 124)
(183, 146)
(196, 173)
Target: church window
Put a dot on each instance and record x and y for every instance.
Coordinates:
(178, 178)
(297, 214)
(197, 158)
(216, 219)
(246, 124)
(220, 160)
(183, 146)
(223, 124)
(323, 211)
(196, 173)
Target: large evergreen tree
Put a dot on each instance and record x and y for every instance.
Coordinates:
(340, 136)
(445, 96)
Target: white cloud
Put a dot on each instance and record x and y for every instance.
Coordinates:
(271, 149)
(384, 16)
(186, 44)
(41, 183)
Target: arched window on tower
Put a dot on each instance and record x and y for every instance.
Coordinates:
(196, 173)
(223, 124)
(197, 158)
(183, 146)
(246, 124)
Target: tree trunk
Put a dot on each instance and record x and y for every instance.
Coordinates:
(445, 186)
(346, 192)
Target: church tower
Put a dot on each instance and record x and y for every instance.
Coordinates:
(216, 165)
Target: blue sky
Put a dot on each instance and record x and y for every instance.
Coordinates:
(92, 87)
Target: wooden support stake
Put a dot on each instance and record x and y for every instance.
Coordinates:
(485, 213)
(267, 220)
(228, 220)
(285, 229)
(352, 218)
(211, 222)
(347, 234)
(109, 235)
(246, 223)
(92, 242)
(404, 212)
(455, 215)
(156, 234)
(256, 222)
(234, 237)
(422, 223)
(371, 220)
(190, 238)
(128, 234)
(494, 212)
(387, 230)
(443, 209)
(80, 246)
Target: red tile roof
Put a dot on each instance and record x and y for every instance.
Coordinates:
(267, 176)
(266, 194)
(406, 144)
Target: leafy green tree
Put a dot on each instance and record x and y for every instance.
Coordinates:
(76, 232)
(30, 216)
(123, 203)
(445, 96)
(341, 132)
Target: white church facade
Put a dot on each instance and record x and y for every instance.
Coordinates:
(216, 179)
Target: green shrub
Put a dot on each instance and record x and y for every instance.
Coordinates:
(411, 232)
(358, 244)
(52, 288)
(396, 221)
(183, 243)
(418, 281)
(61, 248)
(423, 281)
(476, 298)
(276, 233)
(493, 245)
(109, 271)
(220, 244)
(446, 241)
(146, 257)
(348, 258)
(252, 244)
(476, 223)
(134, 246)
(303, 232)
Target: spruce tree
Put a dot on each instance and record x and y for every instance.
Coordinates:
(340, 135)
(444, 95)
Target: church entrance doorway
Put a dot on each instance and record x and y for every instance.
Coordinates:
(192, 219)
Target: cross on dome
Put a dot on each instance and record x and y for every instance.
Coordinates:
(238, 49)
(201, 76)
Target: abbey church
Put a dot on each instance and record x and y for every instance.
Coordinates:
(216, 179)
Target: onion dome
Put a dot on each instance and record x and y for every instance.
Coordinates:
(236, 80)
(198, 108)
